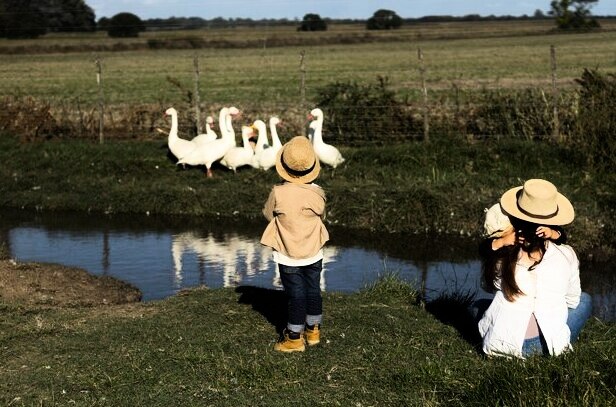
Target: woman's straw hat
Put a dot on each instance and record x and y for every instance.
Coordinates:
(496, 223)
(296, 161)
(538, 201)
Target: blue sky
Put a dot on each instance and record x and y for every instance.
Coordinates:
(292, 9)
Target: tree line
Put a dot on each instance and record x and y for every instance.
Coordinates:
(33, 18)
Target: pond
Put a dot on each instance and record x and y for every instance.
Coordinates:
(164, 256)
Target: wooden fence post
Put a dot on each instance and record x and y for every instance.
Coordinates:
(101, 101)
(424, 91)
(302, 85)
(556, 123)
(197, 99)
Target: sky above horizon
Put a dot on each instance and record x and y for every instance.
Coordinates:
(336, 9)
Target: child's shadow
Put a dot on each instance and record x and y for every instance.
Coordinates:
(272, 304)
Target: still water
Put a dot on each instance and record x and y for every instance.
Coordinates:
(162, 257)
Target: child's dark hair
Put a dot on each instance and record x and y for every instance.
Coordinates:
(503, 265)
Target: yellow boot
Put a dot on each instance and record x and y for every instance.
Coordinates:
(290, 342)
(313, 335)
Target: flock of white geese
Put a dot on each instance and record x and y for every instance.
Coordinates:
(207, 148)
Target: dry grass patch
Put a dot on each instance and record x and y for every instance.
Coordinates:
(52, 285)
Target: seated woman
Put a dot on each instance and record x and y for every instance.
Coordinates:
(538, 307)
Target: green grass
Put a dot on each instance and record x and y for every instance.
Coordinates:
(440, 187)
(255, 77)
(214, 347)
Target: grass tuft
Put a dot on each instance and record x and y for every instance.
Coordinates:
(390, 285)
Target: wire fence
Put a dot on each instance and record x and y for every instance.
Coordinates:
(411, 106)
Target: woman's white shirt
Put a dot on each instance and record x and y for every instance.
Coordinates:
(548, 290)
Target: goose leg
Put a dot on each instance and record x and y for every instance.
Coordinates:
(209, 172)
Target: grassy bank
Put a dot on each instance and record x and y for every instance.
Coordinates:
(214, 347)
(441, 187)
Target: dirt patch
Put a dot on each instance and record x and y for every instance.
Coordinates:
(54, 285)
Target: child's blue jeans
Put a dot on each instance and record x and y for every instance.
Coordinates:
(302, 286)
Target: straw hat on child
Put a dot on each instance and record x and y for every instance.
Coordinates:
(538, 201)
(296, 161)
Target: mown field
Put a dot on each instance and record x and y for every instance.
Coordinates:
(470, 56)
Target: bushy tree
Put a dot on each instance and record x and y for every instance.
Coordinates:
(596, 120)
(312, 22)
(360, 113)
(125, 25)
(103, 24)
(2, 19)
(32, 18)
(70, 16)
(539, 14)
(573, 14)
(23, 18)
(384, 20)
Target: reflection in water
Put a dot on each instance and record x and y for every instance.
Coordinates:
(161, 260)
(238, 258)
(162, 263)
(105, 259)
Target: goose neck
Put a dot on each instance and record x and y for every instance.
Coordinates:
(173, 133)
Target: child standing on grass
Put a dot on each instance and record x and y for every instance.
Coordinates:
(295, 210)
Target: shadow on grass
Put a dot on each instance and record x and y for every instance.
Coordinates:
(272, 304)
(462, 312)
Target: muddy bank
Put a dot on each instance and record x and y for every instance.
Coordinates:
(53, 285)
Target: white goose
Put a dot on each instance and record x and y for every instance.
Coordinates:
(262, 143)
(209, 135)
(179, 147)
(239, 156)
(209, 124)
(327, 153)
(207, 154)
(267, 158)
(231, 113)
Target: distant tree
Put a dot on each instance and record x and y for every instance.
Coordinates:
(23, 18)
(103, 24)
(32, 18)
(384, 20)
(2, 19)
(312, 22)
(70, 16)
(125, 25)
(539, 14)
(573, 14)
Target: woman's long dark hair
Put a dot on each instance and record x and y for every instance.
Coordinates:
(501, 265)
